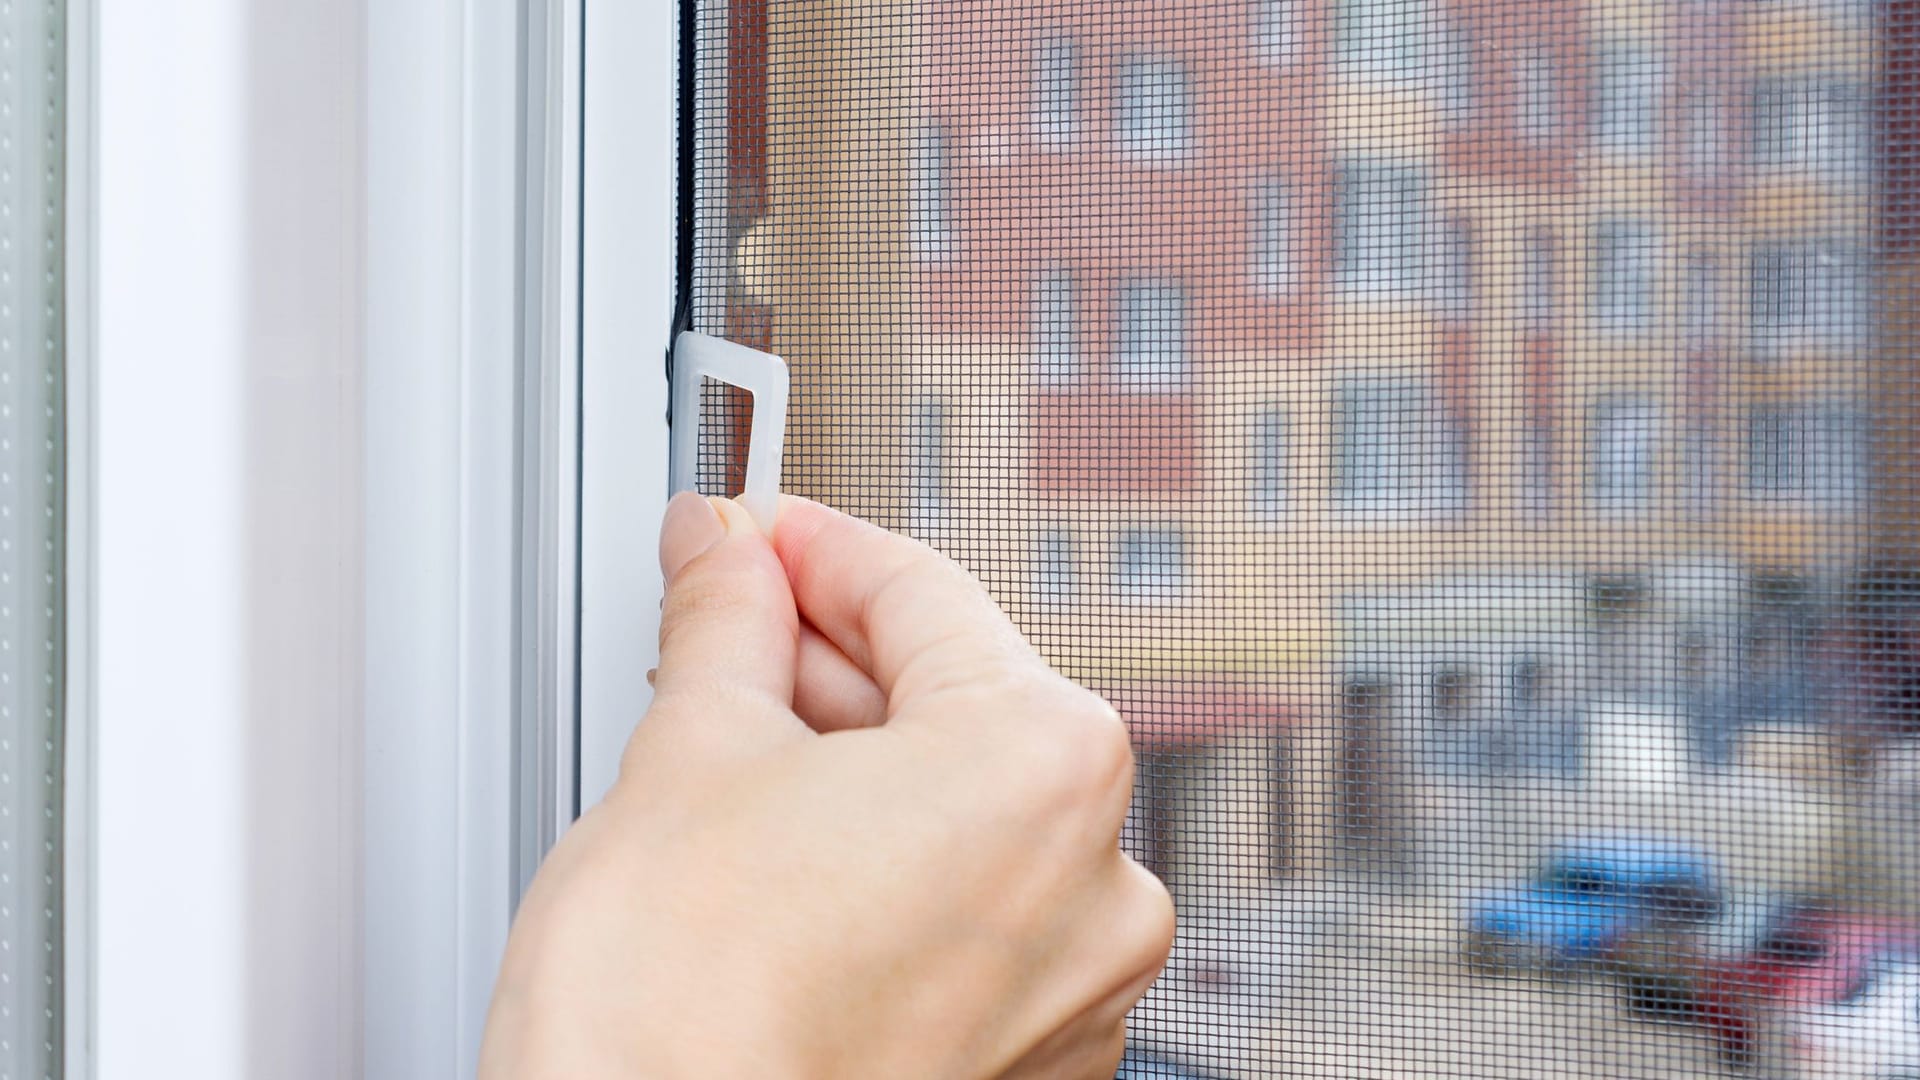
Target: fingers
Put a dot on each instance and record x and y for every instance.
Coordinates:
(897, 609)
(831, 693)
(729, 635)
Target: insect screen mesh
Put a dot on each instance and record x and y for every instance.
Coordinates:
(1472, 443)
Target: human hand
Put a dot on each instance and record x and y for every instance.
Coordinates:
(864, 830)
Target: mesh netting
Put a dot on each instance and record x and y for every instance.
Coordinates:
(1471, 442)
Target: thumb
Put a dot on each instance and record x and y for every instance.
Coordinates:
(729, 635)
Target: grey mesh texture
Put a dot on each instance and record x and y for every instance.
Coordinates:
(1472, 442)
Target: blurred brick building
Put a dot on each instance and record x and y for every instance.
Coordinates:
(1383, 382)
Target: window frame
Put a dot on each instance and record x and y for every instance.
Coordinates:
(1625, 308)
(1055, 85)
(1642, 497)
(1142, 362)
(1407, 223)
(1055, 546)
(1138, 112)
(1430, 476)
(1057, 350)
(1127, 585)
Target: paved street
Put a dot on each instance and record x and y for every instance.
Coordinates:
(1362, 1003)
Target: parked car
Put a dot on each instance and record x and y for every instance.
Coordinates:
(1814, 958)
(1585, 899)
(1140, 1064)
(1662, 966)
(1872, 1033)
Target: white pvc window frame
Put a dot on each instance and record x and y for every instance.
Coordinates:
(627, 278)
(299, 595)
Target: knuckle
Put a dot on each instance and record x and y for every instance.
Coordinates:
(1158, 921)
(1084, 747)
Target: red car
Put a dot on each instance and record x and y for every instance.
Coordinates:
(1812, 956)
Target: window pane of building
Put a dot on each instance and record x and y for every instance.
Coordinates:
(1277, 30)
(1156, 108)
(1538, 112)
(1453, 269)
(1812, 121)
(1386, 39)
(1056, 344)
(1706, 132)
(1274, 266)
(1056, 91)
(1150, 562)
(1803, 450)
(1267, 469)
(1807, 291)
(1056, 571)
(932, 196)
(1537, 279)
(1153, 335)
(1623, 441)
(1625, 258)
(1394, 450)
(1628, 80)
(1699, 298)
(926, 466)
(1380, 232)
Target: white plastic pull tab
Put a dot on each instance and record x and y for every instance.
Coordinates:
(698, 357)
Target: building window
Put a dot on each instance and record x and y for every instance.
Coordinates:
(1273, 237)
(1537, 291)
(1382, 39)
(1627, 91)
(1267, 448)
(1153, 335)
(1700, 300)
(1537, 284)
(1394, 451)
(1801, 451)
(1276, 31)
(1150, 562)
(1699, 328)
(1454, 269)
(1620, 469)
(932, 194)
(1526, 682)
(1706, 132)
(1450, 693)
(1810, 122)
(1056, 572)
(1056, 91)
(1539, 113)
(1625, 260)
(926, 465)
(1459, 84)
(1056, 342)
(1156, 108)
(1808, 290)
(1380, 228)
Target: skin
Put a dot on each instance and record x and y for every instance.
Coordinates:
(863, 830)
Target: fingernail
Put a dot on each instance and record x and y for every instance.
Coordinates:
(690, 528)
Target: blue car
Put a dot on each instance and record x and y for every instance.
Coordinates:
(1586, 898)
(1141, 1065)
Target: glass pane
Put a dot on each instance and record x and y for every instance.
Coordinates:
(32, 534)
(1470, 441)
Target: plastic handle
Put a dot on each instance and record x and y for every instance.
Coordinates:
(698, 357)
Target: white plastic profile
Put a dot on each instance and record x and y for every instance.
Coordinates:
(698, 357)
